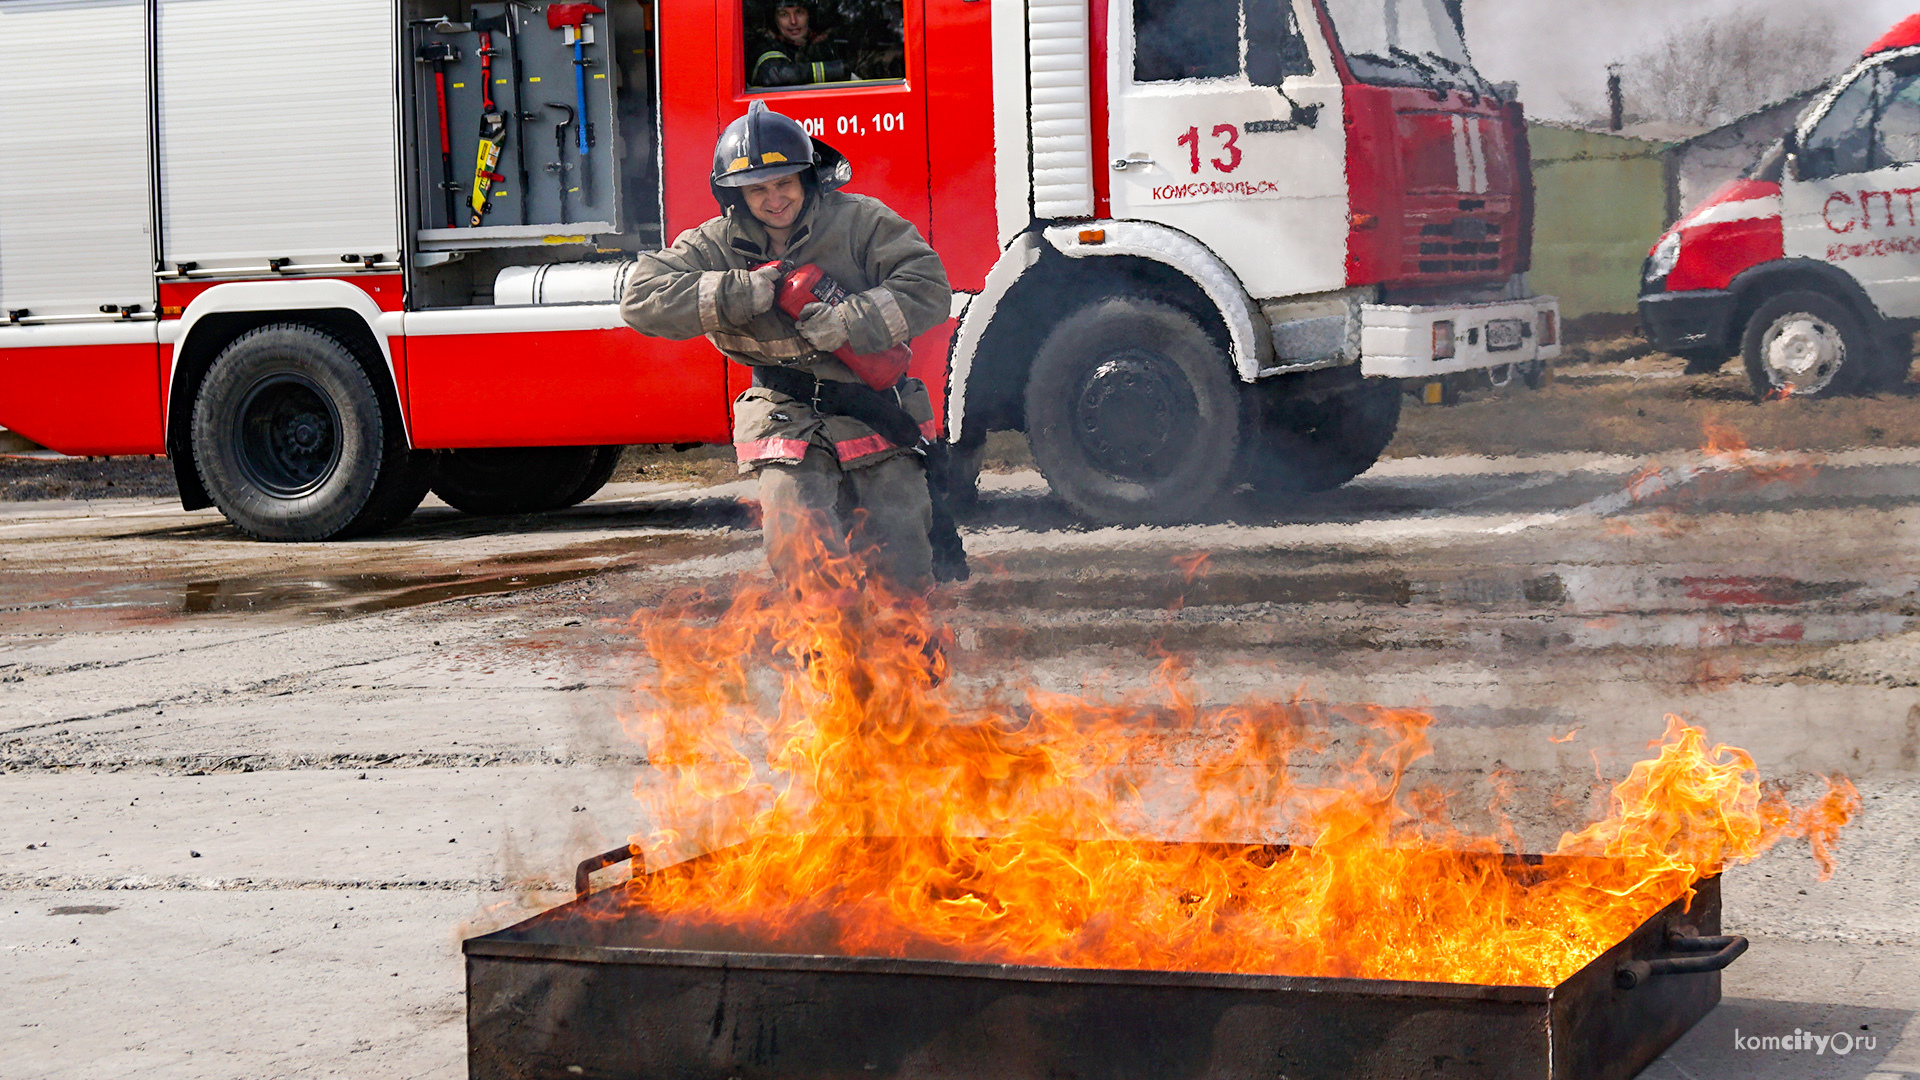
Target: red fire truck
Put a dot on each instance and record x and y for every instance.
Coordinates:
(1808, 266)
(328, 254)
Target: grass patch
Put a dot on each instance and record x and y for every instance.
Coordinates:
(664, 464)
(32, 479)
(1645, 404)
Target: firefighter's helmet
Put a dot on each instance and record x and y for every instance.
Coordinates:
(764, 145)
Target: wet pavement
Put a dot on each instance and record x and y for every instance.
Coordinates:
(233, 747)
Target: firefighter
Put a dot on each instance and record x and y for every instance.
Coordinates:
(791, 54)
(796, 427)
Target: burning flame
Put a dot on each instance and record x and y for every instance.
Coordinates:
(829, 791)
(1729, 467)
(1723, 441)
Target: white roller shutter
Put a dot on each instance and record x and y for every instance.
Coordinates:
(277, 131)
(1061, 108)
(75, 191)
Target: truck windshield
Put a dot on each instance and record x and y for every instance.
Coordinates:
(1404, 43)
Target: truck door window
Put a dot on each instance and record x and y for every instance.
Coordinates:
(1217, 39)
(798, 43)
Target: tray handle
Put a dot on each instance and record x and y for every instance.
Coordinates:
(583, 874)
(1712, 953)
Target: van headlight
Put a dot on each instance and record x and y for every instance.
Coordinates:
(1666, 256)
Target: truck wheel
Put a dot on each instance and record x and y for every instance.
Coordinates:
(291, 442)
(605, 460)
(1807, 344)
(1132, 412)
(520, 479)
(1313, 446)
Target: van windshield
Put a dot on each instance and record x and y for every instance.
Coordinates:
(1405, 43)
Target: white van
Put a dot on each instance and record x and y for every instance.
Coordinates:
(1809, 266)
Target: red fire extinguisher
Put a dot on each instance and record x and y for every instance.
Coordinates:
(808, 284)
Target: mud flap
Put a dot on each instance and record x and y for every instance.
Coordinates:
(949, 555)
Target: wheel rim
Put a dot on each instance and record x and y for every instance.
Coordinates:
(287, 440)
(1135, 416)
(1802, 352)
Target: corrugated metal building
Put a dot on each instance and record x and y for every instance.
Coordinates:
(1604, 197)
(1600, 203)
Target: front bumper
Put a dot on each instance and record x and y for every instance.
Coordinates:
(1696, 321)
(1397, 342)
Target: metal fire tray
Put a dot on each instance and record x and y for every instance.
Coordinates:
(559, 996)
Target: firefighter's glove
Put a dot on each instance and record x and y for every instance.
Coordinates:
(824, 327)
(746, 293)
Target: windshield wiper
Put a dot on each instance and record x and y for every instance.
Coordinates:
(1428, 74)
(1395, 64)
(1479, 84)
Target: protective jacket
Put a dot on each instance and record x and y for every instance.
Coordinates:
(899, 291)
(779, 62)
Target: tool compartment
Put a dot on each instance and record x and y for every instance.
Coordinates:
(573, 207)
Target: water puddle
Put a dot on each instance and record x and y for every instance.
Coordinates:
(326, 588)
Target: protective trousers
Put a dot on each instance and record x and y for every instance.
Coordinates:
(894, 526)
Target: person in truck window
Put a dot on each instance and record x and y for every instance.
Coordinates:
(793, 52)
(823, 443)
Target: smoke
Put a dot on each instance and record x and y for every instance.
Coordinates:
(1558, 50)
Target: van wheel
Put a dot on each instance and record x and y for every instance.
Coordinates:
(1808, 344)
(1132, 413)
(291, 442)
(1896, 361)
(522, 479)
(1307, 446)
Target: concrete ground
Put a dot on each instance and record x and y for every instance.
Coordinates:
(252, 797)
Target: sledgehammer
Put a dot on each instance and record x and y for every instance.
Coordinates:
(440, 54)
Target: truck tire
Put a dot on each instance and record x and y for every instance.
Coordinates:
(605, 460)
(1810, 345)
(292, 444)
(1133, 413)
(521, 479)
(1308, 446)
